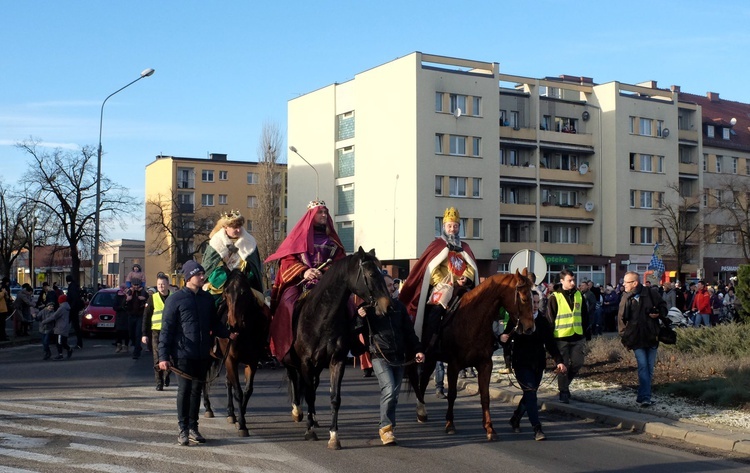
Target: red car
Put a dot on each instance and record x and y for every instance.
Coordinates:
(99, 316)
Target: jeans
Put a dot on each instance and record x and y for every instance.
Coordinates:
(439, 375)
(389, 379)
(598, 327)
(572, 353)
(646, 359)
(135, 327)
(706, 318)
(529, 381)
(46, 337)
(189, 391)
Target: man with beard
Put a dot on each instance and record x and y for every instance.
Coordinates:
(304, 256)
(428, 290)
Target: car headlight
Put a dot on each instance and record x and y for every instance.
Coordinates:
(88, 316)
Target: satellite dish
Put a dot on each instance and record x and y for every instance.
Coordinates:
(583, 168)
(733, 121)
(457, 112)
(589, 206)
(585, 116)
(665, 132)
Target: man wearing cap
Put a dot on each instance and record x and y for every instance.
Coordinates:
(135, 303)
(446, 260)
(304, 256)
(188, 321)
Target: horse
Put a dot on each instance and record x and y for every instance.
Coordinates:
(466, 339)
(249, 320)
(324, 335)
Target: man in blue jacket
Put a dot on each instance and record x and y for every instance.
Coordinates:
(189, 320)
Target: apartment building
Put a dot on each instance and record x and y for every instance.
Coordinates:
(189, 194)
(562, 165)
(118, 258)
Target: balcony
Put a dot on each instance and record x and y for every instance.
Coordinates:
(574, 213)
(572, 139)
(525, 172)
(689, 168)
(508, 132)
(186, 208)
(688, 135)
(563, 175)
(522, 210)
(186, 183)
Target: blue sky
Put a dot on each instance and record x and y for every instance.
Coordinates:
(224, 68)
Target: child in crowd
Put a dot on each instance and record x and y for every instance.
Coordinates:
(61, 319)
(46, 329)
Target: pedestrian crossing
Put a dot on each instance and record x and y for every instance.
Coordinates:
(124, 430)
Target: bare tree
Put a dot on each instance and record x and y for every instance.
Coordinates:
(678, 218)
(732, 200)
(180, 230)
(12, 235)
(269, 232)
(63, 184)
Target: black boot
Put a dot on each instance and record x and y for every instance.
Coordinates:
(515, 423)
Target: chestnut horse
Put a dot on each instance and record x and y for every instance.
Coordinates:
(324, 334)
(249, 320)
(466, 339)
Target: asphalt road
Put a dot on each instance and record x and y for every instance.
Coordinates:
(99, 411)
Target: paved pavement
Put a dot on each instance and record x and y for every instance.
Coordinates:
(714, 436)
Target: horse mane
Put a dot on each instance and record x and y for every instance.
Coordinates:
(239, 279)
(491, 286)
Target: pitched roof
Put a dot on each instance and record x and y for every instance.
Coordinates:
(719, 113)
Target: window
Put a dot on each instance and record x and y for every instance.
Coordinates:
(632, 125)
(438, 101)
(207, 200)
(725, 133)
(705, 197)
(457, 186)
(560, 234)
(345, 126)
(223, 175)
(719, 163)
(222, 199)
(345, 163)
(647, 199)
(646, 124)
(476, 146)
(476, 228)
(249, 225)
(514, 119)
(660, 164)
(710, 131)
(458, 145)
(458, 102)
(207, 176)
(476, 187)
(632, 161)
(686, 188)
(546, 122)
(476, 106)
(647, 236)
(439, 143)
(685, 155)
(252, 178)
(439, 185)
(504, 118)
(646, 163)
(632, 198)
(705, 163)
(659, 127)
(252, 202)
(735, 165)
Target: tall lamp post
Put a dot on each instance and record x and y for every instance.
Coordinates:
(95, 256)
(317, 177)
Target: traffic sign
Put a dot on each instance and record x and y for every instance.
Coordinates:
(530, 259)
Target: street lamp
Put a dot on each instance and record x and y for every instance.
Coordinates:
(95, 265)
(317, 177)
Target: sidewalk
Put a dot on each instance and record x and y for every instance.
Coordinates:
(715, 437)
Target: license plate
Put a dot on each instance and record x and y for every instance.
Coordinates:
(105, 324)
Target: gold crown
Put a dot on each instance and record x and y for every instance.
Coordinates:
(451, 215)
(316, 203)
(231, 215)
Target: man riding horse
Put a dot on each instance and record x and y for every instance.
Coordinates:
(305, 255)
(428, 290)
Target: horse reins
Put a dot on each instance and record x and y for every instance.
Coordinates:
(380, 351)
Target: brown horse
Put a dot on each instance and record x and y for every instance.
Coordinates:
(466, 339)
(249, 320)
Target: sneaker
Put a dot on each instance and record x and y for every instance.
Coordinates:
(159, 387)
(648, 403)
(196, 436)
(387, 436)
(440, 394)
(182, 438)
(70, 352)
(565, 398)
(119, 348)
(515, 424)
(538, 434)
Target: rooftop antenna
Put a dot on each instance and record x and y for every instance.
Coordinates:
(317, 177)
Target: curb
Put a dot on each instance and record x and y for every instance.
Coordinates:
(725, 439)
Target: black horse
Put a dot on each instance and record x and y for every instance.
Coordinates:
(324, 335)
(249, 320)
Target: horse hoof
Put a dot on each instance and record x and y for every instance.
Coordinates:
(296, 417)
(231, 420)
(311, 436)
(421, 418)
(243, 433)
(450, 429)
(208, 414)
(334, 445)
(492, 436)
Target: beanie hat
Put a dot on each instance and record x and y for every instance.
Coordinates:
(191, 268)
(62, 298)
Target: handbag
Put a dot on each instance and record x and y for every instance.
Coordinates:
(442, 292)
(667, 335)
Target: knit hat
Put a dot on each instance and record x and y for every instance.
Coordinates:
(62, 298)
(191, 268)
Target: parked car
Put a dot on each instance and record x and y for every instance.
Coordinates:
(37, 293)
(99, 316)
(14, 290)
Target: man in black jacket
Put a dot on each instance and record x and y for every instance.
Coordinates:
(392, 341)
(188, 322)
(641, 308)
(75, 299)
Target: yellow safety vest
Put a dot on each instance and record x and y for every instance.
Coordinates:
(158, 309)
(568, 321)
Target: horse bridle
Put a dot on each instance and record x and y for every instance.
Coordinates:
(370, 301)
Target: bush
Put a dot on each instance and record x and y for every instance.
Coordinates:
(743, 291)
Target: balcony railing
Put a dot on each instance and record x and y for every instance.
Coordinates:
(186, 208)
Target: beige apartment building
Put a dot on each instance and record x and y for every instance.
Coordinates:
(561, 165)
(191, 194)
